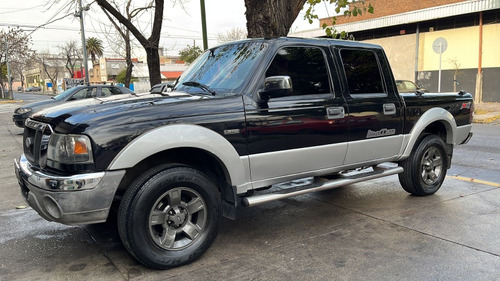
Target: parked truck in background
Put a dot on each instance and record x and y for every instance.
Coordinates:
(245, 116)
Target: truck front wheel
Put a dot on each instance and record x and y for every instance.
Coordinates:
(425, 169)
(169, 216)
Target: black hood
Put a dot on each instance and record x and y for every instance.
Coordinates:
(76, 117)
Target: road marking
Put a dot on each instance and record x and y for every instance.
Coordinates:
(475, 180)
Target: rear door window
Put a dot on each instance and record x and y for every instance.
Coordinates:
(363, 73)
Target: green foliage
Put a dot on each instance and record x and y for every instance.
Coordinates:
(121, 77)
(3, 71)
(94, 47)
(351, 8)
(190, 53)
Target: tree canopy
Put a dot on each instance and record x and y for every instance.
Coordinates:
(18, 51)
(190, 53)
(150, 44)
(273, 18)
(94, 48)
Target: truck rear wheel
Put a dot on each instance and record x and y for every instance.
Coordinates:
(425, 169)
(169, 216)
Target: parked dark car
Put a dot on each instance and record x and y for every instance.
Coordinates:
(19, 89)
(33, 89)
(73, 94)
(407, 86)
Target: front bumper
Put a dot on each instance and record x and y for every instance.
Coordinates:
(65, 199)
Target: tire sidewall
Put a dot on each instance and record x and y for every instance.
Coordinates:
(137, 214)
(428, 142)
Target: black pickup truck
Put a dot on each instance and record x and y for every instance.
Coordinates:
(245, 116)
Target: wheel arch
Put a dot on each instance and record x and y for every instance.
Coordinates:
(436, 121)
(191, 145)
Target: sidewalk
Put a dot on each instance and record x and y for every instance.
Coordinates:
(486, 112)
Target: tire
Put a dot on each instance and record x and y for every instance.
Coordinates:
(425, 169)
(169, 216)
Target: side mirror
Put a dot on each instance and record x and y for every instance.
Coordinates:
(170, 88)
(275, 87)
(422, 89)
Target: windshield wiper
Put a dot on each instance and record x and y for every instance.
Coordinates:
(199, 85)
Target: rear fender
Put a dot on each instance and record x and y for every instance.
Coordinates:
(430, 116)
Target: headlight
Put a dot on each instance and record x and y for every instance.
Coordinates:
(22, 110)
(70, 149)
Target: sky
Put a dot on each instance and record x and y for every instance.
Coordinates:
(181, 23)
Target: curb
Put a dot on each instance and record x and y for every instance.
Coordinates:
(10, 101)
(486, 119)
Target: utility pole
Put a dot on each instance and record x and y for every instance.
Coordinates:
(84, 45)
(204, 25)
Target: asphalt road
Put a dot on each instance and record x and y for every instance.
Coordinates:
(480, 158)
(367, 231)
(27, 97)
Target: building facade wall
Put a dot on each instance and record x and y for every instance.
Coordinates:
(384, 8)
(400, 51)
(463, 48)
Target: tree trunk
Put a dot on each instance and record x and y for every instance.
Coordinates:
(150, 44)
(54, 86)
(128, 73)
(128, 58)
(153, 58)
(271, 18)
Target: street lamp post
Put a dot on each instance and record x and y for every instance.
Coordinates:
(84, 45)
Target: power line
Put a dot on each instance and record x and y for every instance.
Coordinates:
(19, 10)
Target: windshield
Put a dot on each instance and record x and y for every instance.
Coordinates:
(63, 95)
(222, 69)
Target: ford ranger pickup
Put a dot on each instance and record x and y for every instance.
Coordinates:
(243, 117)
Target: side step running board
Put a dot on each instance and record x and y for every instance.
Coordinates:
(322, 184)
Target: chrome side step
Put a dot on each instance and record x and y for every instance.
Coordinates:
(320, 183)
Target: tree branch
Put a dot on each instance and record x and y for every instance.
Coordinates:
(127, 23)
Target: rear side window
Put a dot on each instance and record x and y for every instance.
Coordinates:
(306, 66)
(362, 72)
(106, 91)
(83, 94)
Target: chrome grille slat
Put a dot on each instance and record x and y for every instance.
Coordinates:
(35, 142)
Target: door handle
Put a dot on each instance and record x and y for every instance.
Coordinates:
(335, 112)
(389, 109)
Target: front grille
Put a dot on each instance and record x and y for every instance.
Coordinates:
(36, 141)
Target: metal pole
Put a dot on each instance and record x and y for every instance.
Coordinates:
(417, 46)
(84, 45)
(440, 59)
(204, 24)
(480, 60)
(11, 95)
(478, 98)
